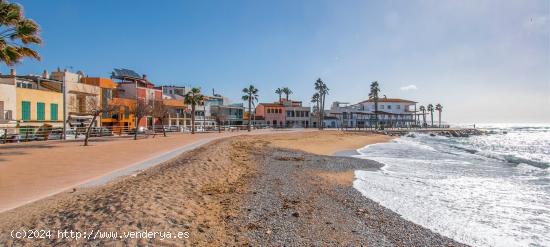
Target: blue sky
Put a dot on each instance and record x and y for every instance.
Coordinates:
(484, 61)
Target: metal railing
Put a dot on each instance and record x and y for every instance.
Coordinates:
(46, 132)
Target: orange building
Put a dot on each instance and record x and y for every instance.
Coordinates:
(122, 117)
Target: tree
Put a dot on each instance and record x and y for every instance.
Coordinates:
(322, 90)
(16, 34)
(439, 108)
(140, 109)
(279, 91)
(194, 98)
(95, 108)
(217, 112)
(423, 110)
(431, 110)
(287, 92)
(160, 111)
(316, 99)
(373, 96)
(250, 95)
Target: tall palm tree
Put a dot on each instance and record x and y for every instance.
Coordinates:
(423, 110)
(16, 34)
(322, 90)
(250, 95)
(316, 99)
(279, 91)
(287, 92)
(439, 108)
(373, 95)
(431, 110)
(193, 98)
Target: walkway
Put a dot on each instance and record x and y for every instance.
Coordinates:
(32, 171)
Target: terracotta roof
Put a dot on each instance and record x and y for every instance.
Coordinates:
(395, 100)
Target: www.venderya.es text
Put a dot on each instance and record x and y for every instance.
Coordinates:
(96, 234)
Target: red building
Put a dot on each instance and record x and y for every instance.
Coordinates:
(133, 86)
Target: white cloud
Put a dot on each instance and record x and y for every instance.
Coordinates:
(408, 88)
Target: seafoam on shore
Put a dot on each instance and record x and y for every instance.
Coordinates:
(483, 190)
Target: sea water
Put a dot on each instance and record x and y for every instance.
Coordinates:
(489, 190)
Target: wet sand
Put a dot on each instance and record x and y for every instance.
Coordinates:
(244, 190)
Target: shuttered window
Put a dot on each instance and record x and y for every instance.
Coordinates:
(25, 110)
(53, 112)
(40, 111)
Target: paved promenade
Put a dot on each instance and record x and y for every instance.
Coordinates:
(35, 170)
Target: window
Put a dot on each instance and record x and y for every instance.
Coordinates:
(382, 107)
(24, 84)
(389, 107)
(53, 112)
(40, 111)
(25, 110)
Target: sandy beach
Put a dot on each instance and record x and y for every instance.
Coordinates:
(245, 190)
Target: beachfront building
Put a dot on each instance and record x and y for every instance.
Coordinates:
(178, 117)
(272, 113)
(296, 115)
(80, 97)
(133, 86)
(120, 119)
(178, 114)
(285, 114)
(7, 102)
(173, 92)
(228, 114)
(332, 122)
(391, 112)
(31, 101)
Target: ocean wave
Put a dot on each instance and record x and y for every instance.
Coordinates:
(519, 160)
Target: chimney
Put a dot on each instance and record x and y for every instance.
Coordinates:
(13, 72)
(144, 77)
(45, 74)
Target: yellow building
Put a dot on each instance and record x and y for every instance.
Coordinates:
(38, 102)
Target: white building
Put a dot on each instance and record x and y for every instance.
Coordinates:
(391, 112)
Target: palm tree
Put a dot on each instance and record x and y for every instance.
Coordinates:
(439, 108)
(279, 91)
(250, 95)
(373, 95)
(431, 110)
(423, 110)
(316, 99)
(16, 34)
(322, 90)
(287, 92)
(193, 98)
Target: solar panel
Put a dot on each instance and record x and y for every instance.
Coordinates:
(121, 73)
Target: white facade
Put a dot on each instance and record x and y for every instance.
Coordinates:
(8, 112)
(391, 113)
